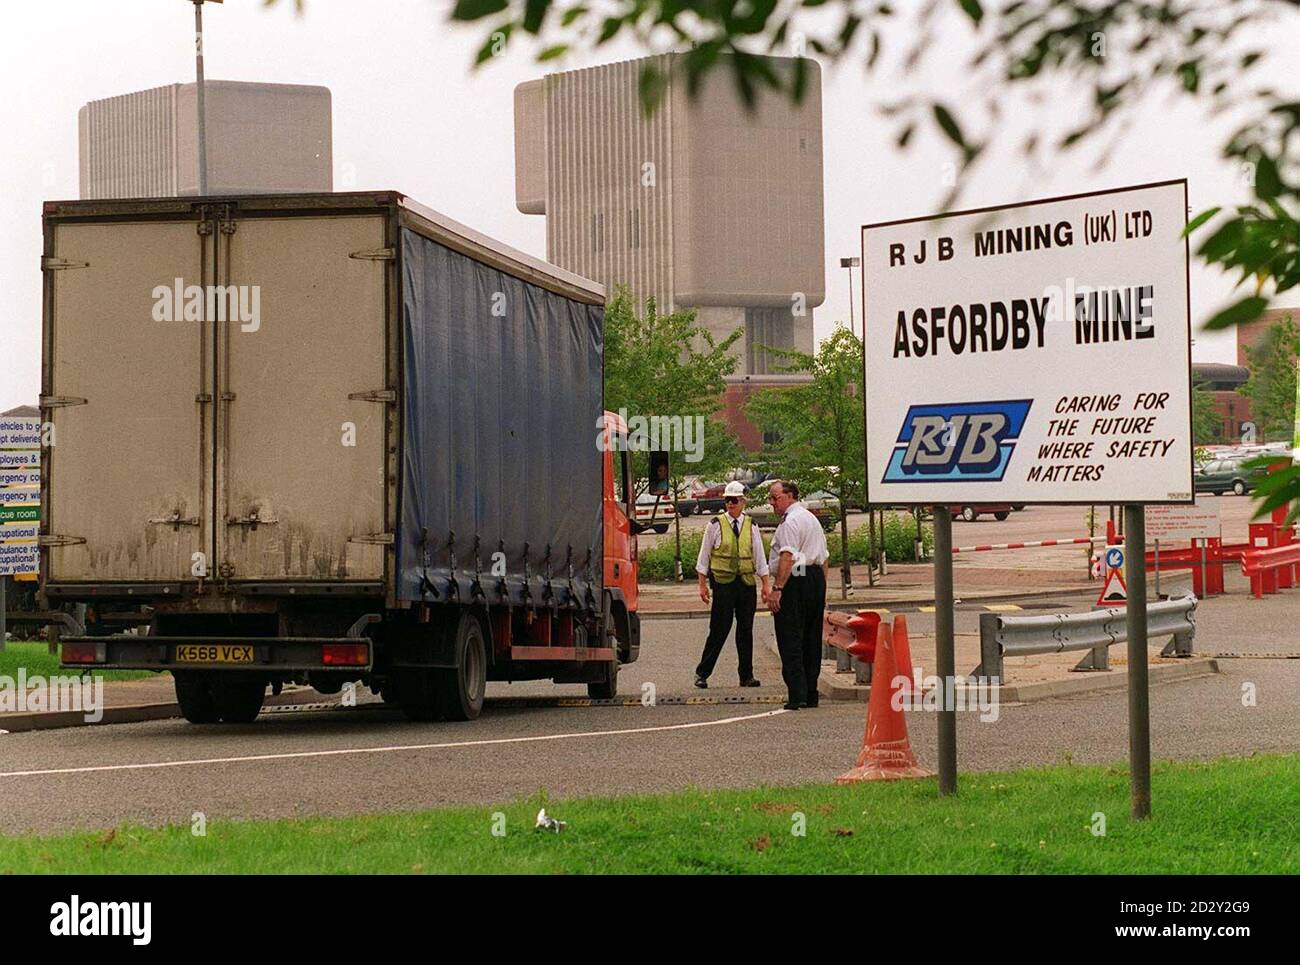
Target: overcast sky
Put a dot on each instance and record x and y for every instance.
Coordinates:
(411, 116)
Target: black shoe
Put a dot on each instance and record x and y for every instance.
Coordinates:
(792, 705)
(750, 682)
(701, 682)
(811, 702)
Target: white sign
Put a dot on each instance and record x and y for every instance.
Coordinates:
(1169, 523)
(20, 478)
(20, 432)
(20, 494)
(18, 559)
(1032, 353)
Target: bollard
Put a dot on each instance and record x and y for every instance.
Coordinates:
(990, 652)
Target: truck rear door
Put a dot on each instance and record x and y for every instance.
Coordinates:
(217, 388)
(301, 425)
(126, 382)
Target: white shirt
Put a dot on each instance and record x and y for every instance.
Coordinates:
(801, 535)
(713, 539)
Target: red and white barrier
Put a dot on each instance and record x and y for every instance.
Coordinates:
(1032, 543)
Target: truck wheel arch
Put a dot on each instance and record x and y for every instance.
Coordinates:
(627, 625)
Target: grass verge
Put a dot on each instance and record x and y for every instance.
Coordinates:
(37, 660)
(1227, 816)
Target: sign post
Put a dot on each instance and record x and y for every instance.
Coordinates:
(945, 656)
(1035, 353)
(1139, 687)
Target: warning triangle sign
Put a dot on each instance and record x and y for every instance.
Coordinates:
(1115, 590)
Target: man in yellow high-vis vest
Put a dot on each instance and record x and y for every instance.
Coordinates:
(731, 560)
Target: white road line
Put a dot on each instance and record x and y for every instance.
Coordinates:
(388, 749)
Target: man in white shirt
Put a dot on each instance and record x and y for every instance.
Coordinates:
(731, 556)
(798, 596)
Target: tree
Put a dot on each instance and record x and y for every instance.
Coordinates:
(822, 445)
(1272, 384)
(670, 368)
(1207, 424)
(1114, 54)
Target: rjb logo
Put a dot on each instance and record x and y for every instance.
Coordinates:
(957, 442)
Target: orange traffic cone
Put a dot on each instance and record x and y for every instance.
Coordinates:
(886, 752)
(903, 653)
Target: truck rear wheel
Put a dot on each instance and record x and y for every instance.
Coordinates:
(452, 693)
(195, 697)
(606, 687)
(209, 698)
(461, 689)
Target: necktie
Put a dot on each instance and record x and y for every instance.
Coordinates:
(735, 525)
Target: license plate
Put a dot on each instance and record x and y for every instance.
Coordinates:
(214, 653)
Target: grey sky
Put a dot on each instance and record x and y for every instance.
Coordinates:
(409, 115)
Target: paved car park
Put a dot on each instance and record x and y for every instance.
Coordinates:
(370, 759)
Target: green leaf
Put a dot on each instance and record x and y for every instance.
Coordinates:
(948, 125)
(1246, 310)
(1268, 182)
(476, 9)
(608, 29)
(571, 15)
(1199, 220)
(534, 13)
(972, 9)
(495, 41)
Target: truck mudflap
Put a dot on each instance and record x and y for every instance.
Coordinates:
(269, 654)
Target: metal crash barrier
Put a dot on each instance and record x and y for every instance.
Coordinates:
(1015, 636)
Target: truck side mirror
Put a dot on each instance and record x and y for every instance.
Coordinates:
(659, 474)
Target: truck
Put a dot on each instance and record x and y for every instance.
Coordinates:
(327, 439)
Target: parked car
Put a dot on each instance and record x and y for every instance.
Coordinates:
(706, 498)
(1219, 476)
(972, 511)
(652, 516)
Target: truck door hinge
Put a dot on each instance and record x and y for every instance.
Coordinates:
(374, 254)
(59, 401)
(54, 539)
(374, 395)
(51, 263)
(175, 521)
(252, 520)
(381, 539)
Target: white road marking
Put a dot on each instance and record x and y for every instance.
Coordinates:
(387, 749)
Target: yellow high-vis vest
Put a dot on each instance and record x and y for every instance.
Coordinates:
(734, 556)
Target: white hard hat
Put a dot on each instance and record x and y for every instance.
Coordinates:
(734, 489)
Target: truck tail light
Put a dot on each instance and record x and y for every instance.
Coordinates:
(345, 654)
(83, 653)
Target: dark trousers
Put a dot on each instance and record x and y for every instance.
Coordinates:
(735, 600)
(798, 626)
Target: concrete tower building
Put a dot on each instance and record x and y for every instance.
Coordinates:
(262, 138)
(702, 204)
